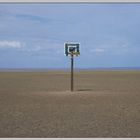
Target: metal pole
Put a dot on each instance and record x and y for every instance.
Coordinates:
(71, 72)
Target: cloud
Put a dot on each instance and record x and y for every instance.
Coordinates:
(125, 45)
(32, 17)
(10, 44)
(98, 50)
(31, 49)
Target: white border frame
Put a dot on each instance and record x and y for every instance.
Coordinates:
(69, 1)
(76, 2)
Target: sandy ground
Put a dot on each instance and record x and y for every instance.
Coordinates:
(104, 104)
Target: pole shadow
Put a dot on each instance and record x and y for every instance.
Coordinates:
(84, 90)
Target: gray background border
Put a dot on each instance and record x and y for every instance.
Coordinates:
(69, 1)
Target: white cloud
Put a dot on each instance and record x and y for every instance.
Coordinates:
(125, 45)
(31, 49)
(98, 50)
(10, 44)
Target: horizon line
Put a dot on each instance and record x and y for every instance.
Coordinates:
(67, 69)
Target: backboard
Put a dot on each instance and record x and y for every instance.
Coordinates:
(71, 49)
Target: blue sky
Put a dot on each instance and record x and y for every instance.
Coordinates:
(33, 35)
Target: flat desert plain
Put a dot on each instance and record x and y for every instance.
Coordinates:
(40, 104)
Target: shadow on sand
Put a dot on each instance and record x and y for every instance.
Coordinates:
(84, 90)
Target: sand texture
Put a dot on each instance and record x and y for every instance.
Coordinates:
(40, 104)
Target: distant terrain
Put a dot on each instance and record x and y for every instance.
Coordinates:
(40, 104)
(67, 69)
